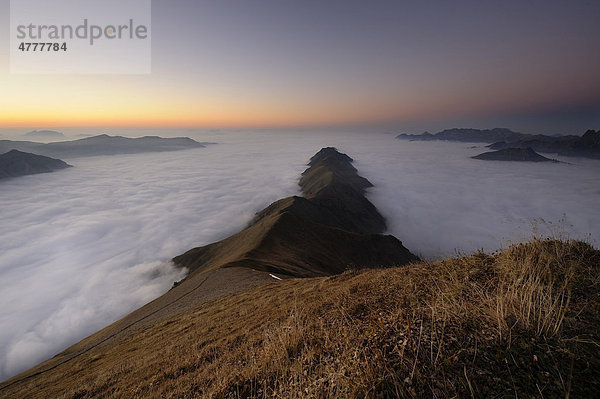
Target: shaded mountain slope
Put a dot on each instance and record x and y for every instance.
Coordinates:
(334, 184)
(288, 244)
(329, 230)
(522, 322)
(514, 154)
(102, 145)
(334, 195)
(17, 163)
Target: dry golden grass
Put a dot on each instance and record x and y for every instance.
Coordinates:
(523, 322)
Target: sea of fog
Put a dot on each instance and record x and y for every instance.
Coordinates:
(82, 247)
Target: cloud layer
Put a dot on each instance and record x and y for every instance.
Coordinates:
(82, 247)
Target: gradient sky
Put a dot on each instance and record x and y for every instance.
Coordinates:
(528, 65)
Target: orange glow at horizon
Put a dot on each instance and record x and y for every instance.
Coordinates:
(132, 105)
(165, 102)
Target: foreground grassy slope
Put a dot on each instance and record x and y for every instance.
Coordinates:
(523, 322)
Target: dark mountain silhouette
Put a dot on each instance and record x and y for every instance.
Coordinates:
(468, 135)
(44, 135)
(16, 163)
(102, 145)
(574, 146)
(481, 136)
(514, 154)
(587, 145)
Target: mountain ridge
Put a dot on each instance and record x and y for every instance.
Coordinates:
(287, 236)
(469, 135)
(102, 144)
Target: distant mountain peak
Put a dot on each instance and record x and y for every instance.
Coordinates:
(44, 135)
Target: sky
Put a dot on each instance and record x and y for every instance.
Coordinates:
(404, 66)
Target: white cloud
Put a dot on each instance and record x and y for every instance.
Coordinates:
(82, 247)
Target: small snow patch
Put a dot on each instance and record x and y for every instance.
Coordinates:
(275, 277)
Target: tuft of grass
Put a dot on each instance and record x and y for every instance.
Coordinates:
(536, 282)
(521, 322)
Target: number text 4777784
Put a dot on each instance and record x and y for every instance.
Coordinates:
(43, 46)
